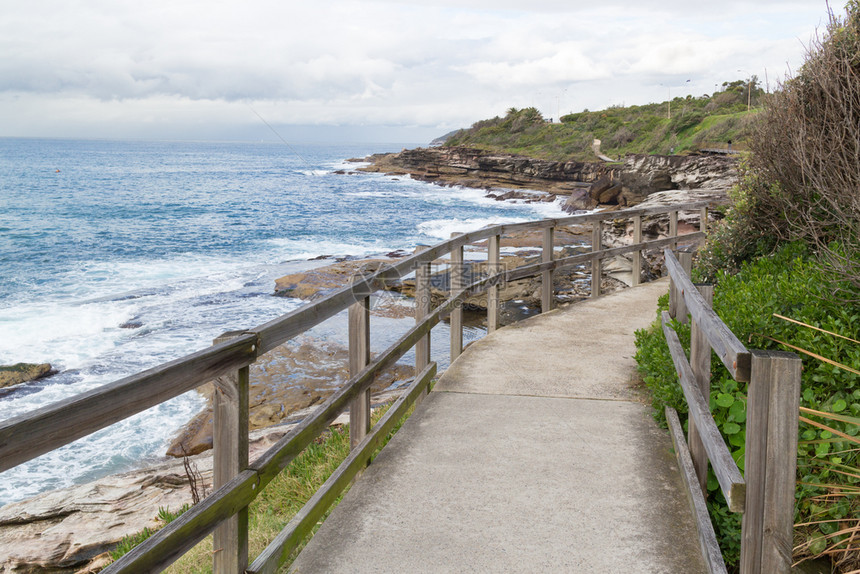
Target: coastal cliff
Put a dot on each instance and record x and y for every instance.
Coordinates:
(584, 184)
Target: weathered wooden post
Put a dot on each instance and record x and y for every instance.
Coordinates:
(493, 267)
(685, 258)
(636, 266)
(677, 306)
(359, 357)
(673, 228)
(546, 276)
(596, 262)
(700, 362)
(230, 457)
(456, 278)
(773, 400)
(422, 309)
(703, 220)
(674, 296)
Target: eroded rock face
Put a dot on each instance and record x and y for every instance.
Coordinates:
(23, 373)
(586, 184)
(644, 174)
(478, 168)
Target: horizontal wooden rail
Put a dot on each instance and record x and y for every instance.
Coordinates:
(279, 330)
(566, 262)
(279, 550)
(707, 537)
(34, 433)
(194, 525)
(726, 345)
(727, 471)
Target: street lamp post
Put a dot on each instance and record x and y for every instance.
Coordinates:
(669, 102)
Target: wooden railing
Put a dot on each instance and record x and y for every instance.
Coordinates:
(765, 494)
(236, 481)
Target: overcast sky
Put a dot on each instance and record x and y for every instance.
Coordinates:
(375, 70)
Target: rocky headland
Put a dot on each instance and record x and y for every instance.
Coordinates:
(585, 185)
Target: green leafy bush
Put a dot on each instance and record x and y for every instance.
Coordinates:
(789, 283)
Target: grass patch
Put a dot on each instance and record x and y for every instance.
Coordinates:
(281, 499)
(706, 121)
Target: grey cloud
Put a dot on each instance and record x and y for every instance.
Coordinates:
(444, 63)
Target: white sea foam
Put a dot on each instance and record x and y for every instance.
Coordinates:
(290, 249)
(181, 317)
(443, 228)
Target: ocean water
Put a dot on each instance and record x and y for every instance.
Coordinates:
(181, 241)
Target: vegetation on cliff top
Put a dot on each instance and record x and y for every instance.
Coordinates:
(683, 124)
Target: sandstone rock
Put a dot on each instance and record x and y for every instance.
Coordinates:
(480, 168)
(579, 200)
(292, 377)
(604, 183)
(625, 185)
(23, 373)
(319, 282)
(61, 531)
(609, 195)
(644, 174)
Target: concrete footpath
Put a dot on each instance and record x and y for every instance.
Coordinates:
(533, 453)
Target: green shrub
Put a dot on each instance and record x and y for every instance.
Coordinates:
(789, 283)
(740, 236)
(805, 153)
(622, 130)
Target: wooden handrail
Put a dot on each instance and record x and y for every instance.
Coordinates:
(727, 471)
(34, 433)
(31, 434)
(303, 522)
(194, 525)
(765, 494)
(726, 345)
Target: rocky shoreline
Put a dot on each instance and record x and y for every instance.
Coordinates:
(70, 529)
(584, 185)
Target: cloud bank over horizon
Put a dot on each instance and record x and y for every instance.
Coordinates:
(203, 70)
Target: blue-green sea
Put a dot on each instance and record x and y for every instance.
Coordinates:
(181, 241)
